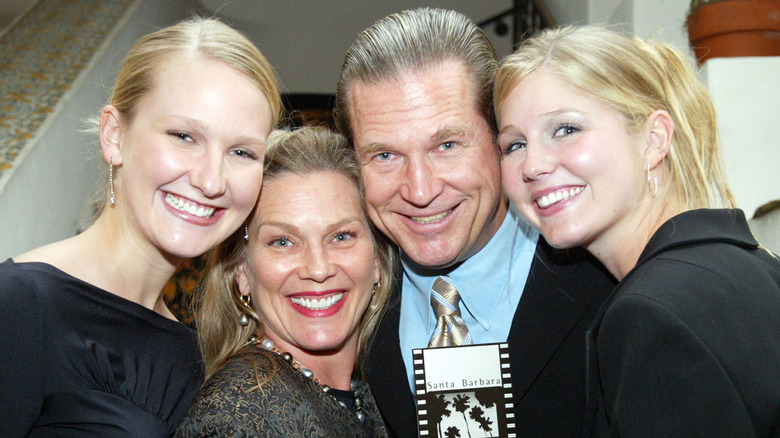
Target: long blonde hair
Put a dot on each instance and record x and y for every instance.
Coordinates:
(635, 77)
(304, 151)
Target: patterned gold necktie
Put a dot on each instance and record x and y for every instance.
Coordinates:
(450, 329)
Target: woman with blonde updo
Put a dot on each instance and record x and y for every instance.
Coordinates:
(90, 348)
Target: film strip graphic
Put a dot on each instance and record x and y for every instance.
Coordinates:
(473, 403)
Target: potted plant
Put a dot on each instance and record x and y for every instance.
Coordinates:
(720, 28)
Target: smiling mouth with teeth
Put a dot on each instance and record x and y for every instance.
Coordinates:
(188, 206)
(318, 304)
(431, 219)
(555, 197)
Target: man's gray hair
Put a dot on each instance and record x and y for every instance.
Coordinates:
(412, 41)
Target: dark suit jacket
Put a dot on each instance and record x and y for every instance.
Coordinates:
(689, 345)
(563, 293)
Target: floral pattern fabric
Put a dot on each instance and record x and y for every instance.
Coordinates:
(287, 404)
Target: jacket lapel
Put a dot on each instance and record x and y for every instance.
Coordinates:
(387, 373)
(553, 302)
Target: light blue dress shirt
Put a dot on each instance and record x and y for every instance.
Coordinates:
(490, 284)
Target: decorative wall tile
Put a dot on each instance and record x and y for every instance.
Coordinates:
(40, 56)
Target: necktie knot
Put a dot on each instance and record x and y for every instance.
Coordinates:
(450, 329)
(445, 298)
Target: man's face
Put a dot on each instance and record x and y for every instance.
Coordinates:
(430, 167)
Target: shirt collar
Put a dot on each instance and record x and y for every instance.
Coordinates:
(482, 279)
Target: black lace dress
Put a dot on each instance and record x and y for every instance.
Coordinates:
(287, 404)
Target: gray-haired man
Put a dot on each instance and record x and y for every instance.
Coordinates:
(415, 97)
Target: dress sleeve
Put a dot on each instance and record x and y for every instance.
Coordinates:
(21, 374)
(660, 379)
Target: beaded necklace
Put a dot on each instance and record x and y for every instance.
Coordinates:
(309, 374)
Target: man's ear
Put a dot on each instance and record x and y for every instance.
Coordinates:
(242, 279)
(111, 135)
(659, 131)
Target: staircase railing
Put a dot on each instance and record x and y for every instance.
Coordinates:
(525, 17)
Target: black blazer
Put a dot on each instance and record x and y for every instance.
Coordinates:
(689, 344)
(562, 295)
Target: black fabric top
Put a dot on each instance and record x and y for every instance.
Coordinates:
(285, 404)
(80, 361)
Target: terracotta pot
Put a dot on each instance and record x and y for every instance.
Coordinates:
(735, 28)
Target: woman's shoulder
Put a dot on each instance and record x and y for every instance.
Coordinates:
(696, 284)
(245, 369)
(250, 393)
(26, 285)
(19, 283)
(15, 273)
(251, 373)
(693, 269)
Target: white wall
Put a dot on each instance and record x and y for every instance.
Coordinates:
(663, 19)
(48, 191)
(306, 41)
(746, 92)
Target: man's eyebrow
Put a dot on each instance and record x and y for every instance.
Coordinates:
(448, 132)
(370, 148)
(439, 136)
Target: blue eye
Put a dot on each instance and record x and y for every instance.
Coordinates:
(384, 156)
(244, 154)
(448, 145)
(280, 241)
(566, 129)
(343, 236)
(183, 136)
(513, 146)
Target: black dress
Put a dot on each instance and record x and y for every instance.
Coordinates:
(286, 404)
(79, 361)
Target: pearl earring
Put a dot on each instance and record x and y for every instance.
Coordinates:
(244, 320)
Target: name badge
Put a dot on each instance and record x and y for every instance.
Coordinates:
(464, 391)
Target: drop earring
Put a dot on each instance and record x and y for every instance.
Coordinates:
(112, 198)
(652, 184)
(244, 320)
(246, 232)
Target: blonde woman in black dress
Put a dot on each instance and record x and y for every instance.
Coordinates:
(89, 346)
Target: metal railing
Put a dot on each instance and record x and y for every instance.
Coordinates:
(525, 17)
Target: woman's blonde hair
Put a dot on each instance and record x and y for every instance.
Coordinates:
(194, 38)
(219, 307)
(635, 77)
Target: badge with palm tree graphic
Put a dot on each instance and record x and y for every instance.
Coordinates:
(464, 391)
